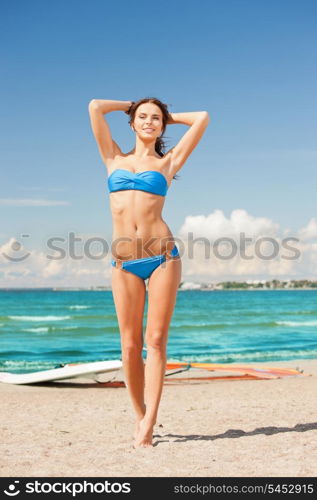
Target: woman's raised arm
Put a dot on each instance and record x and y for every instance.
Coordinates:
(198, 121)
(107, 105)
(108, 148)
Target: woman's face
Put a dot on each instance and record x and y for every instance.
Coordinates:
(148, 121)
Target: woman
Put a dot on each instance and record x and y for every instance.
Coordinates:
(138, 182)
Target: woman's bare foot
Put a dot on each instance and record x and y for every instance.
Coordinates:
(137, 424)
(137, 428)
(145, 435)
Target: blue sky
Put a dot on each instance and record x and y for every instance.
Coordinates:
(251, 65)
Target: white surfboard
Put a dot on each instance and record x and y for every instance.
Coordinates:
(67, 371)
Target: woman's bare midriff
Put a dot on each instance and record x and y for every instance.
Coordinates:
(138, 228)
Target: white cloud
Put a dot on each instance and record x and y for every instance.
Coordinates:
(38, 270)
(200, 260)
(309, 232)
(31, 202)
(216, 225)
(42, 188)
(206, 248)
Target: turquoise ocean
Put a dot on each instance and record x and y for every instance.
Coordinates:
(39, 329)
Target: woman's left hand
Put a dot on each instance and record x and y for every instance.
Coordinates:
(170, 119)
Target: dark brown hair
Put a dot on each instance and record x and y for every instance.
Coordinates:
(160, 143)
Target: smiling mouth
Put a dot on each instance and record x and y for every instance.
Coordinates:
(149, 129)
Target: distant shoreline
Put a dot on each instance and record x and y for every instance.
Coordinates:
(52, 289)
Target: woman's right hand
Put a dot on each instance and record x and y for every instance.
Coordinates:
(127, 112)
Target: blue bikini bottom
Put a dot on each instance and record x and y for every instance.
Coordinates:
(145, 267)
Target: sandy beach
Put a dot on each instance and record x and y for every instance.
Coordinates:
(217, 428)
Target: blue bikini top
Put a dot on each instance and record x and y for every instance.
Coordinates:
(149, 180)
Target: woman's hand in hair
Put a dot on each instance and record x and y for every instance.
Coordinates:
(170, 120)
(127, 112)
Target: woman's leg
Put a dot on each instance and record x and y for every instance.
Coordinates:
(162, 291)
(128, 293)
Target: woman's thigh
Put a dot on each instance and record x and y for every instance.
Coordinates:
(128, 293)
(162, 291)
